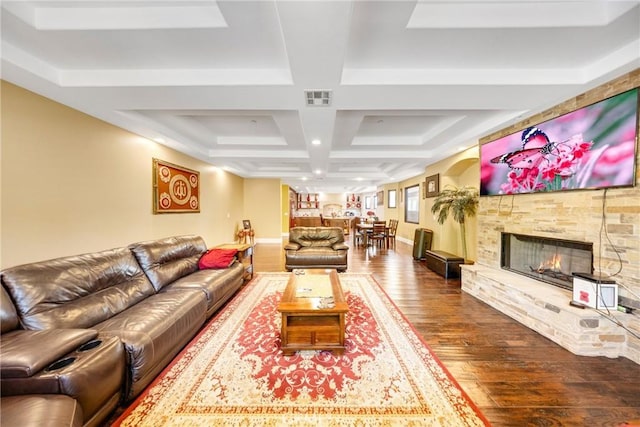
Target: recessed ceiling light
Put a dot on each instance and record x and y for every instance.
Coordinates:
(304, 178)
(359, 178)
(318, 171)
(316, 142)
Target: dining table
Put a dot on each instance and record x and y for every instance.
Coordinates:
(365, 228)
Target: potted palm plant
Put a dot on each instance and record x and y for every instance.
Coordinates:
(461, 203)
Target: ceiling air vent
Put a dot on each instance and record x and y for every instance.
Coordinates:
(317, 98)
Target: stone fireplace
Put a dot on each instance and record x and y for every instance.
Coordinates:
(546, 259)
(609, 218)
(545, 308)
(546, 238)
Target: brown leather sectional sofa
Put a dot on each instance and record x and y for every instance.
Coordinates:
(316, 247)
(83, 334)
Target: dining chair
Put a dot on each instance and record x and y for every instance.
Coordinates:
(379, 233)
(357, 236)
(391, 234)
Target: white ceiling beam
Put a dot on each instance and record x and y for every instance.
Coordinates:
(251, 140)
(626, 57)
(386, 141)
(258, 154)
(175, 77)
(316, 58)
(516, 14)
(25, 61)
(460, 76)
(381, 154)
(141, 17)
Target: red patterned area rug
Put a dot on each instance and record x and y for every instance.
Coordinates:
(234, 374)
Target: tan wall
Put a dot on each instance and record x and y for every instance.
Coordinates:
(73, 184)
(573, 215)
(385, 211)
(262, 205)
(459, 170)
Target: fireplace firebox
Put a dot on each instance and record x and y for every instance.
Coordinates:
(546, 259)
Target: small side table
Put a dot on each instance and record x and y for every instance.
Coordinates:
(245, 256)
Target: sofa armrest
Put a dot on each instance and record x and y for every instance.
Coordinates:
(26, 352)
(339, 247)
(291, 247)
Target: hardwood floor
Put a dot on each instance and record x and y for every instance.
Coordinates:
(515, 376)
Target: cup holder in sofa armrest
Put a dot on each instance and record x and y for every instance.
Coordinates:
(89, 345)
(59, 364)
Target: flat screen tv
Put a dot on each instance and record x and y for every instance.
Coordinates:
(593, 147)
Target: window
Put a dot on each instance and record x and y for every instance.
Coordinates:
(412, 204)
(367, 202)
(392, 198)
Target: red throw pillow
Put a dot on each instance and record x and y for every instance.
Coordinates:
(217, 258)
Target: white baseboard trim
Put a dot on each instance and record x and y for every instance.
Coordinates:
(404, 240)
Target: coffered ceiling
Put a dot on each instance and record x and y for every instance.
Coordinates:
(394, 85)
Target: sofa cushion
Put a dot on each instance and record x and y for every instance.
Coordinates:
(316, 236)
(218, 285)
(51, 410)
(217, 258)
(166, 260)
(316, 258)
(76, 291)
(153, 332)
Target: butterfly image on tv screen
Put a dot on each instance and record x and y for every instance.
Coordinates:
(535, 149)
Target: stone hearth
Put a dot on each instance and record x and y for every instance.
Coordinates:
(545, 309)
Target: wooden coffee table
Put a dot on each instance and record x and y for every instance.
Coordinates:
(308, 322)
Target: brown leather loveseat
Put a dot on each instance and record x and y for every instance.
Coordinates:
(100, 327)
(316, 247)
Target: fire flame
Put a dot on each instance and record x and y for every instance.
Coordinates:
(554, 264)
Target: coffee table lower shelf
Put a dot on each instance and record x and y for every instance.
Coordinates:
(317, 331)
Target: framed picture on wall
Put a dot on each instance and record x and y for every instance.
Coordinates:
(432, 186)
(380, 195)
(246, 224)
(176, 189)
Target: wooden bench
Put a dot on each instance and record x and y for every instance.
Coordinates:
(445, 264)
